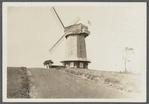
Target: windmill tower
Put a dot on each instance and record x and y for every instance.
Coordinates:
(75, 53)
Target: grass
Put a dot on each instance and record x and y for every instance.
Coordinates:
(129, 82)
(17, 82)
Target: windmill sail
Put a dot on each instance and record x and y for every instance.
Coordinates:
(75, 21)
(56, 44)
(57, 20)
(58, 17)
(62, 38)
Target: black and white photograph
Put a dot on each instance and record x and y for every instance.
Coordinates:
(74, 51)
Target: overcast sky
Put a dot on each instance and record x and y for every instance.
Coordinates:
(33, 30)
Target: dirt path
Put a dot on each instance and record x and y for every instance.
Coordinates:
(50, 83)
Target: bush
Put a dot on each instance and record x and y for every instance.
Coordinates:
(111, 80)
(22, 67)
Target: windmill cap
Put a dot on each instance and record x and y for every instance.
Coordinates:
(76, 29)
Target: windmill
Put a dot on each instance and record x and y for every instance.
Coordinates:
(75, 53)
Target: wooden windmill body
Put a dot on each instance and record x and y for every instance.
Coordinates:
(75, 53)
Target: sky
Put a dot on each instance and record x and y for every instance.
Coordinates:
(33, 30)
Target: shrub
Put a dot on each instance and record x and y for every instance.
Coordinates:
(22, 67)
(117, 80)
(111, 80)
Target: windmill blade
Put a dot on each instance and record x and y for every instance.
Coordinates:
(58, 17)
(75, 20)
(57, 20)
(62, 38)
(56, 44)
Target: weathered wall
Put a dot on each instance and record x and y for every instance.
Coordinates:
(81, 47)
(75, 47)
(71, 47)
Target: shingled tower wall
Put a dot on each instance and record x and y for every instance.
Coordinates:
(75, 54)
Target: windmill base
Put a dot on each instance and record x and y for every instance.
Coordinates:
(76, 64)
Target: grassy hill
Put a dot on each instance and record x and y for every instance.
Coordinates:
(130, 82)
(57, 83)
